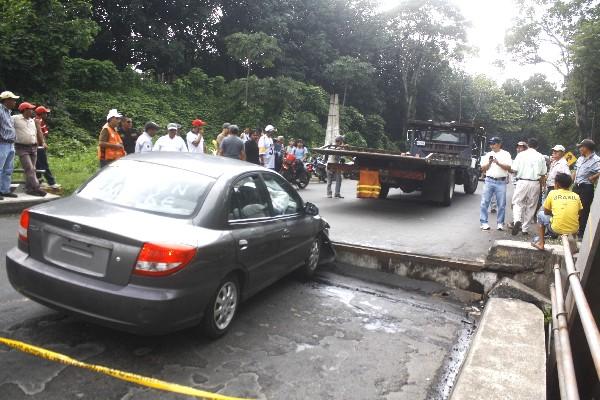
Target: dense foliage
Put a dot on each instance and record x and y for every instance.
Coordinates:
(276, 61)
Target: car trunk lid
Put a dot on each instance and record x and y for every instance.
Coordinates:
(103, 243)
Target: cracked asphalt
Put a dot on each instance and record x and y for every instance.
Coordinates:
(338, 337)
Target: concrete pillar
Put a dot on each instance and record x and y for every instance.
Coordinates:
(333, 120)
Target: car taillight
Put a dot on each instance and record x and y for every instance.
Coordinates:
(24, 225)
(157, 259)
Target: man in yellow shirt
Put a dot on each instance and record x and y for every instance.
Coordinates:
(560, 215)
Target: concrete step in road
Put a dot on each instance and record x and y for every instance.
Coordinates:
(506, 359)
(13, 205)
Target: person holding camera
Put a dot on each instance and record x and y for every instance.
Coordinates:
(496, 166)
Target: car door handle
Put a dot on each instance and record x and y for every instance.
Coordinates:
(243, 243)
(285, 233)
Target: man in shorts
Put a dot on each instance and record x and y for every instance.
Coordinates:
(560, 214)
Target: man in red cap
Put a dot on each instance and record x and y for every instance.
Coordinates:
(28, 137)
(42, 157)
(195, 137)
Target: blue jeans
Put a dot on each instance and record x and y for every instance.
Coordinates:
(493, 188)
(543, 219)
(546, 221)
(7, 155)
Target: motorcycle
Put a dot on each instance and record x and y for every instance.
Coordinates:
(319, 168)
(294, 171)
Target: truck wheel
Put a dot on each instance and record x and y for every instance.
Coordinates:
(448, 193)
(383, 193)
(471, 181)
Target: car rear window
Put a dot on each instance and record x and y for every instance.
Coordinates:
(148, 187)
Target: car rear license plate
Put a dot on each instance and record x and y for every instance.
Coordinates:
(76, 255)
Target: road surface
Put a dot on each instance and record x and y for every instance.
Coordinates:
(335, 338)
(403, 222)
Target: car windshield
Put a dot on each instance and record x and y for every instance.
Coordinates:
(148, 187)
(443, 136)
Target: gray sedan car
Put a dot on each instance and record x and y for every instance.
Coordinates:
(162, 241)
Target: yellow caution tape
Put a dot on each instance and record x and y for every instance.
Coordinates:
(125, 376)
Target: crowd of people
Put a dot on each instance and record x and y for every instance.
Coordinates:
(118, 138)
(545, 189)
(24, 135)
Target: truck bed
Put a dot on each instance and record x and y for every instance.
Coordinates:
(365, 156)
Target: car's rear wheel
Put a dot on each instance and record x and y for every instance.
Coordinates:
(222, 308)
(312, 261)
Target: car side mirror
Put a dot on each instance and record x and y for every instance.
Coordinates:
(311, 209)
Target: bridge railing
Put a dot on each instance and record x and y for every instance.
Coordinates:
(560, 331)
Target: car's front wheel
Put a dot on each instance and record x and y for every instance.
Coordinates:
(222, 308)
(312, 261)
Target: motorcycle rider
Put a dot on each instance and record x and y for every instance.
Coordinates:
(300, 151)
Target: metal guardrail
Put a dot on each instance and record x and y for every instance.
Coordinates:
(560, 331)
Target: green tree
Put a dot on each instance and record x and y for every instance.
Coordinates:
(554, 23)
(347, 72)
(167, 37)
(418, 36)
(252, 49)
(37, 35)
(585, 78)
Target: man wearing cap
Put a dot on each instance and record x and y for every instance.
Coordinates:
(558, 165)
(195, 137)
(530, 170)
(232, 146)
(266, 148)
(110, 144)
(8, 101)
(222, 135)
(28, 137)
(496, 166)
(143, 144)
(42, 157)
(587, 171)
(128, 134)
(171, 141)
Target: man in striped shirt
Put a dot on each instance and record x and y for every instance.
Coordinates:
(7, 142)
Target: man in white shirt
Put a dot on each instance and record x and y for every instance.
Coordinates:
(170, 141)
(195, 137)
(143, 144)
(266, 148)
(530, 169)
(496, 165)
(28, 138)
(558, 165)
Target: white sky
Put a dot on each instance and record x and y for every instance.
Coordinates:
(490, 20)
